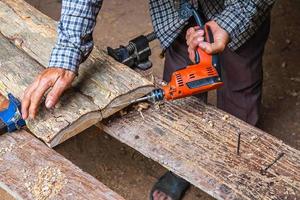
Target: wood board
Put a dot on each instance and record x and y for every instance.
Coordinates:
(74, 113)
(199, 143)
(30, 170)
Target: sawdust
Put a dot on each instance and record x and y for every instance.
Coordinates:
(225, 117)
(4, 150)
(48, 184)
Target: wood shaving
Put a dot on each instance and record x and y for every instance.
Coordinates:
(142, 106)
(4, 150)
(18, 42)
(123, 112)
(48, 184)
(253, 138)
(141, 113)
(158, 105)
(225, 117)
(211, 124)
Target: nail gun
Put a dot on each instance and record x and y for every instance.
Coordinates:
(10, 117)
(200, 77)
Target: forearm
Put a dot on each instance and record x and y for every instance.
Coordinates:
(75, 29)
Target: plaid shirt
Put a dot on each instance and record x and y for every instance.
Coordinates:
(240, 18)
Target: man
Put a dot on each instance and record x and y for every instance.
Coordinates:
(240, 29)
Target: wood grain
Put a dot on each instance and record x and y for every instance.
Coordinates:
(105, 81)
(74, 113)
(101, 83)
(30, 170)
(198, 142)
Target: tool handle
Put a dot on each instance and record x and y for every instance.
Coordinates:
(201, 24)
(208, 37)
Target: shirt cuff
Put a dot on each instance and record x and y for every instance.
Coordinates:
(65, 57)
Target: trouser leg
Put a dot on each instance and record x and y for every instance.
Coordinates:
(242, 74)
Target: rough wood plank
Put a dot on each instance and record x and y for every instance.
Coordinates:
(102, 79)
(30, 170)
(74, 113)
(198, 142)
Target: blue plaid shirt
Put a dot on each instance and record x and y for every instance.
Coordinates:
(240, 18)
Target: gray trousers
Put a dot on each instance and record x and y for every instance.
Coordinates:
(242, 73)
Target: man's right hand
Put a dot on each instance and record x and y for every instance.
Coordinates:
(57, 79)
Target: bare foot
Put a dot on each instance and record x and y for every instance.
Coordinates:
(158, 195)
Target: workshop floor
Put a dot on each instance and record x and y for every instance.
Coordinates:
(127, 171)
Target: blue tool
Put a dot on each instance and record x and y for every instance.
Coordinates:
(11, 118)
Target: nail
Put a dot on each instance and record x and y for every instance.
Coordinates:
(49, 104)
(238, 144)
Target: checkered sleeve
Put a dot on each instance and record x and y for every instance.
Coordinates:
(75, 28)
(240, 16)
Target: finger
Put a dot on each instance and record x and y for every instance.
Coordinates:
(37, 96)
(196, 41)
(195, 38)
(53, 96)
(212, 48)
(27, 97)
(191, 31)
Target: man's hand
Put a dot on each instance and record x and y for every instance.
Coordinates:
(55, 78)
(195, 39)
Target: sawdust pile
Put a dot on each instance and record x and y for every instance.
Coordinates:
(49, 183)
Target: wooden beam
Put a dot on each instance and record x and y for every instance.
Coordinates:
(199, 143)
(31, 170)
(102, 79)
(74, 113)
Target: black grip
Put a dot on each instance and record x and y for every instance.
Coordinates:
(3, 127)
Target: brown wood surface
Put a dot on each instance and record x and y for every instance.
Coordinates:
(198, 142)
(30, 170)
(101, 84)
(102, 79)
(74, 113)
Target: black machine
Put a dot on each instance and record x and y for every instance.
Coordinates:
(136, 53)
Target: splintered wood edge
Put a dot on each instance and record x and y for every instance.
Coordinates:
(132, 95)
(84, 122)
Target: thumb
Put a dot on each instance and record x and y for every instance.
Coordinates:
(211, 48)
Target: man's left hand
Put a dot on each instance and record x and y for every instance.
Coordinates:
(195, 39)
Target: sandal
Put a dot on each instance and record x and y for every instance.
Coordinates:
(172, 185)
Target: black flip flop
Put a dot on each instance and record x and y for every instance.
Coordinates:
(172, 185)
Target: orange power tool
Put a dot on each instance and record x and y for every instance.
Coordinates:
(193, 79)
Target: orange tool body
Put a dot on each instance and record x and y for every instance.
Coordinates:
(194, 79)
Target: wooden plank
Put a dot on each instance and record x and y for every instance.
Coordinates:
(198, 142)
(103, 80)
(101, 83)
(74, 113)
(31, 170)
